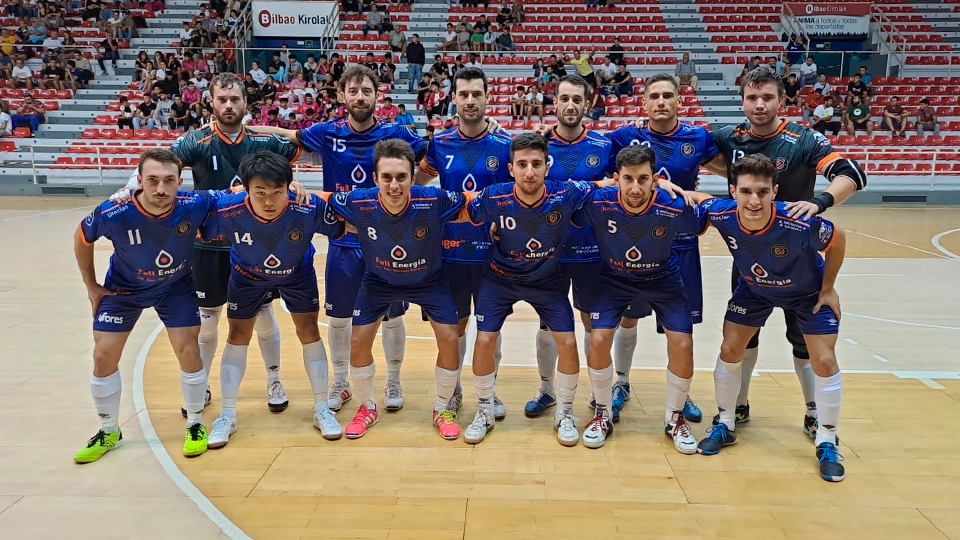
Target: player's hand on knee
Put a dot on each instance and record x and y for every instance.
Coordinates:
(122, 196)
(802, 209)
(95, 293)
(302, 193)
(829, 298)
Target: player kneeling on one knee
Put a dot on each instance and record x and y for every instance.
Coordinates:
(780, 266)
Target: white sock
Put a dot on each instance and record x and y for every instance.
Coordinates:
(209, 322)
(677, 390)
(268, 334)
(829, 395)
(808, 384)
(546, 360)
(106, 398)
(586, 345)
(315, 363)
(746, 374)
(567, 391)
(462, 350)
(194, 388)
(726, 382)
(394, 337)
(446, 382)
(233, 364)
(624, 345)
(497, 354)
(601, 381)
(485, 386)
(338, 335)
(363, 384)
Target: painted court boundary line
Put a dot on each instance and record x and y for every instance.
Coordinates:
(169, 467)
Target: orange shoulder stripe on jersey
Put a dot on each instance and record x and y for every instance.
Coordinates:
(230, 207)
(83, 237)
(326, 195)
(677, 210)
(422, 199)
(366, 200)
(827, 160)
(501, 196)
(830, 243)
(425, 167)
(296, 157)
(205, 140)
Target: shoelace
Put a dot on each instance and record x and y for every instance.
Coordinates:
(100, 438)
(568, 421)
(327, 418)
(392, 390)
(276, 391)
(447, 417)
(220, 424)
(597, 423)
(619, 390)
(830, 454)
(718, 433)
(480, 419)
(196, 432)
(680, 427)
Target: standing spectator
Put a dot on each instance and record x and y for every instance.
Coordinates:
(6, 121)
(791, 88)
(125, 118)
(616, 52)
(109, 50)
(823, 118)
(374, 21)
(22, 75)
(179, 114)
(144, 115)
(858, 117)
(403, 117)
(161, 114)
(622, 81)
(398, 41)
(416, 58)
(259, 76)
(518, 103)
(607, 71)
(927, 118)
(810, 104)
(686, 72)
(822, 85)
(894, 117)
(534, 102)
(808, 73)
(581, 62)
(558, 67)
(450, 42)
(389, 111)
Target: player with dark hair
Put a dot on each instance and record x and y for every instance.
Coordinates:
(152, 238)
(467, 158)
(780, 266)
(799, 154)
(271, 248)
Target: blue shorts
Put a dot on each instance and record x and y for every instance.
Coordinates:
(692, 276)
(245, 297)
(666, 296)
(342, 279)
(376, 297)
(497, 296)
(748, 309)
(584, 279)
(175, 305)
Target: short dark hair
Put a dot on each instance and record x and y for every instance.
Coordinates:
(268, 166)
(760, 77)
(227, 80)
(633, 156)
(470, 74)
(528, 141)
(661, 77)
(755, 164)
(393, 149)
(925, 101)
(358, 73)
(576, 80)
(159, 154)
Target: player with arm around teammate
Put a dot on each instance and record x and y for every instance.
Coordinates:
(780, 266)
(152, 237)
(271, 237)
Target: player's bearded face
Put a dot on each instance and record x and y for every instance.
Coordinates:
(159, 182)
(636, 185)
(661, 101)
(471, 101)
(754, 195)
(361, 99)
(570, 104)
(393, 176)
(267, 199)
(760, 104)
(529, 169)
(229, 106)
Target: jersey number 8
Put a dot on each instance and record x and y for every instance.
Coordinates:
(372, 233)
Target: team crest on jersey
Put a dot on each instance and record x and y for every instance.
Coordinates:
(553, 217)
(593, 160)
(271, 262)
(420, 233)
(687, 149)
(659, 231)
(163, 260)
(781, 164)
(493, 163)
(633, 254)
(758, 271)
(398, 253)
(533, 244)
(183, 228)
(779, 250)
(295, 235)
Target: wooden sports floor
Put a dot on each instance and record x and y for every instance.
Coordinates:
(278, 479)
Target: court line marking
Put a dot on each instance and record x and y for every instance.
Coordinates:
(900, 374)
(936, 243)
(879, 358)
(932, 384)
(905, 323)
(899, 244)
(45, 213)
(851, 341)
(166, 462)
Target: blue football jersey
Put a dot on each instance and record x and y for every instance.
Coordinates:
(149, 251)
(272, 250)
(530, 236)
(402, 249)
(467, 164)
(780, 261)
(639, 246)
(586, 159)
(679, 153)
(347, 155)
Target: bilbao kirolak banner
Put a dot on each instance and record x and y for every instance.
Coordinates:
(838, 19)
(285, 18)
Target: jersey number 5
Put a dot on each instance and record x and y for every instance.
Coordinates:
(612, 226)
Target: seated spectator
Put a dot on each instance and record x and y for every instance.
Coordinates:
(622, 81)
(686, 72)
(822, 84)
(423, 89)
(6, 66)
(191, 96)
(606, 72)
(109, 50)
(476, 40)
(505, 41)
(284, 110)
(277, 68)
(856, 87)
(463, 38)
(751, 65)
(336, 69)
(268, 90)
(273, 118)
(808, 73)
(616, 52)
(54, 77)
(430, 132)
(22, 75)
(927, 118)
(450, 39)
(866, 79)
(83, 65)
(810, 104)
(180, 114)
(162, 113)
(52, 46)
(127, 29)
(791, 88)
(143, 116)
(258, 75)
(388, 70)
(310, 116)
(858, 117)
(351, 6)
(777, 67)
(490, 38)
(534, 102)
(823, 118)
(298, 88)
(125, 118)
(435, 101)
(389, 111)
(74, 75)
(473, 60)
(292, 122)
(895, 117)
(398, 41)
(403, 117)
(112, 28)
(6, 121)
(504, 13)
(374, 21)
(293, 67)
(595, 105)
(7, 41)
(518, 102)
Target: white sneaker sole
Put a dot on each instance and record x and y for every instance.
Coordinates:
(392, 407)
(568, 442)
(211, 444)
(475, 440)
(685, 451)
(329, 436)
(593, 443)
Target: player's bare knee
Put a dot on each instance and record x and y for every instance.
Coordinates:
(731, 353)
(627, 322)
(602, 338)
(106, 360)
(680, 346)
(240, 332)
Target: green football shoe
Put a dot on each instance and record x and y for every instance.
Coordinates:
(195, 440)
(98, 445)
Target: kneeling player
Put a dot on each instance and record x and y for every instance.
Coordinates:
(780, 267)
(152, 237)
(400, 228)
(272, 248)
(635, 224)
